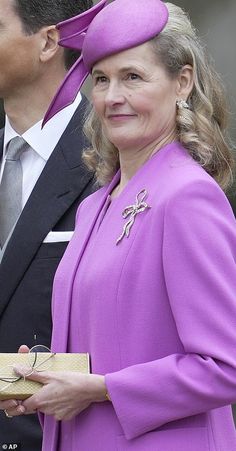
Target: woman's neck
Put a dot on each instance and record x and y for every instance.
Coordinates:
(132, 160)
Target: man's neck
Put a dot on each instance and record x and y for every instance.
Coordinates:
(24, 109)
(23, 117)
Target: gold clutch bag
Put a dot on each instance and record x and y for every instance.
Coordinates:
(14, 387)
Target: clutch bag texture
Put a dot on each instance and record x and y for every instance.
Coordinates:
(14, 387)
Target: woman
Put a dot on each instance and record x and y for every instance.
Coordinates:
(147, 285)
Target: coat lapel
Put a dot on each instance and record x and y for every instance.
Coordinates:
(61, 182)
(71, 260)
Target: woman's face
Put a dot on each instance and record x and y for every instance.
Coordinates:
(134, 98)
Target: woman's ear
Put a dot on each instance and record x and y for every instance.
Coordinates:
(185, 82)
(49, 42)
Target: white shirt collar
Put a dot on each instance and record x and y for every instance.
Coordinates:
(43, 141)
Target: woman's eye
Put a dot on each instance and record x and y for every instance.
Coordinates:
(100, 79)
(133, 76)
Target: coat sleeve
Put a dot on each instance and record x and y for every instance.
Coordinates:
(199, 247)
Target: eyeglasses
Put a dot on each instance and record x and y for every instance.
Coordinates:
(39, 358)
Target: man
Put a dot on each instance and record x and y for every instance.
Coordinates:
(53, 179)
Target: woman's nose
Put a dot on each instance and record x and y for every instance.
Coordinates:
(114, 95)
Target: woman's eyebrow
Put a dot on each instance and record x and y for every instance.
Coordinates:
(121, 70)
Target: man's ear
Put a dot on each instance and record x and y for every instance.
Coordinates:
(185, 82)
(49, 43)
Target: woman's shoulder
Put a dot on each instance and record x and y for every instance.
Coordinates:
(192, 188)
(181, 170)
(181, 180)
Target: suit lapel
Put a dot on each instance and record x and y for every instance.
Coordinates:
(1, 142)
(61, 182)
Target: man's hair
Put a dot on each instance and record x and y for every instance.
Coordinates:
(35, 14)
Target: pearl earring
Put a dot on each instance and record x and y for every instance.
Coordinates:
(182, 104)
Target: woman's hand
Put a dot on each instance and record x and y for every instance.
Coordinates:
(64, 394)
(13, 407)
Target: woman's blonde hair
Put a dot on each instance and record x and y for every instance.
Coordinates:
(201, 128)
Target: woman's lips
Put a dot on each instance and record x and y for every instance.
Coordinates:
(120, 117)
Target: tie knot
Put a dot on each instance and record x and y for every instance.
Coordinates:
(15, 148)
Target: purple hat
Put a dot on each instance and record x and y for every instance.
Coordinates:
(102, 31)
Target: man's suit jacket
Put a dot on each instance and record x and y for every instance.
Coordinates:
(28, 265)
(155, 312)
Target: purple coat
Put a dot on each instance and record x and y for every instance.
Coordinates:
(157, 313)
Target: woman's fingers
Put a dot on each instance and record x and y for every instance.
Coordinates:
(32, 375)
(12, 407)
(23, 349)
